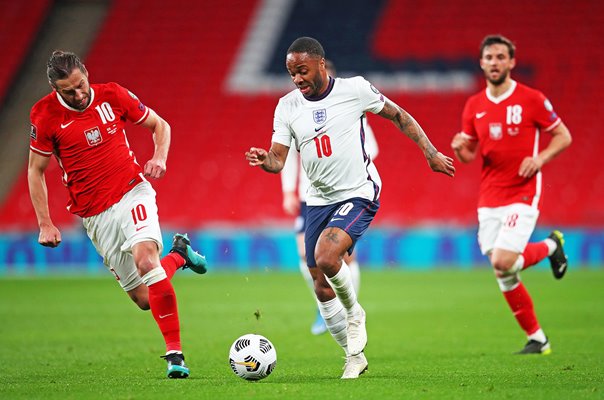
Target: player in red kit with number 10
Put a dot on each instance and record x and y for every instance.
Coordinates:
(503, 124)
(82, 125)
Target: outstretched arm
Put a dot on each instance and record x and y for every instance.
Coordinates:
(406, 124)
(270, 161)
(156, 166)
(49, 234)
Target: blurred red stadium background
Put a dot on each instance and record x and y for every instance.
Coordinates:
(176, 55)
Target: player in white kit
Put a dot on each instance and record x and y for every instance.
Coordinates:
(294, 184)
(324, 118)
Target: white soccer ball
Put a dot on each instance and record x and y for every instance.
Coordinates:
(252, 357)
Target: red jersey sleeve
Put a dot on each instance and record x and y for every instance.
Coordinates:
(134, 110)
(467, 120)
(545, 116)
(40, 136)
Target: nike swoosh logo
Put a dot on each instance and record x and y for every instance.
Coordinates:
(66, 125)
(562, 267)
(480, 115)
(142, 227)
(319, 128)
(336, 219)
(164, 316)
(250, 364)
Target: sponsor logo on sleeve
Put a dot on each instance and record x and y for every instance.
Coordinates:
(374, 89)
(141, 106)
(33, 132)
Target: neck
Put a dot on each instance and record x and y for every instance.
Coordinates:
(497, 90)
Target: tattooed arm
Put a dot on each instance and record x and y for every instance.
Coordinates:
(406, 124)
(270, 161)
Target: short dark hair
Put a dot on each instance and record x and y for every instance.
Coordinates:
(308, 45)
(498, 39)
(61, 64)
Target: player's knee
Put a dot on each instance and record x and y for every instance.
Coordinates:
(501, 265)
(326, 262)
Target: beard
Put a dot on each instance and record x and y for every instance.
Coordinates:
(502, 77)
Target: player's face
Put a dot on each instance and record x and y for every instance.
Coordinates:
(496, 63)
(75, 89)
(308, 73)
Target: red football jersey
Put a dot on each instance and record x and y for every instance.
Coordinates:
(507, 128)
(91, 145)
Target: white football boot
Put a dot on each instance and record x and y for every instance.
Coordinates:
(355, 366)
(356, 333)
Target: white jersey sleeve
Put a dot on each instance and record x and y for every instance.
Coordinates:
(371, 98)
(282, 133)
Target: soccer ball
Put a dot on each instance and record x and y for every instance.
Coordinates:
(252, 357)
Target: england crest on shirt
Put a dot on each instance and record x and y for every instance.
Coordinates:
(495, 131)
(319, 116)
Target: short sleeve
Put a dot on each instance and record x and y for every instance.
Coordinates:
(545, 116)
(371, 98)
(134, 110)
(281, 132)
(40, 140)
(467, 120)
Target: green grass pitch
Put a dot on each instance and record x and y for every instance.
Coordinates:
(443, 334)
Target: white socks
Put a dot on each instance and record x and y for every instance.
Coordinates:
(334, 315)
(342, 285)
(551, 246)
(509, 282)
(538, 336)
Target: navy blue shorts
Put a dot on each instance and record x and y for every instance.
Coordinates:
(353, 216)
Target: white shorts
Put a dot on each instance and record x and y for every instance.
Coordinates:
(116, 230)
(508, 227)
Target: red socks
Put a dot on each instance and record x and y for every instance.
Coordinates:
(533, 253)
(521, 304)
(162, 300)
(171, 262)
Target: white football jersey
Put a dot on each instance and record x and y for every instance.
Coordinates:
(293, 177)
(329, 134)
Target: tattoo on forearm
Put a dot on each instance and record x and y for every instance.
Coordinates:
(412, 129)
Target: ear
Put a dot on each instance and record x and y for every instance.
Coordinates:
(512, 63)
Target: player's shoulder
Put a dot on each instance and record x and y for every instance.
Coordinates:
(477, 99)
(351, 82)
(290, 100)
(529, 92)
(107, 89)
(45, 106)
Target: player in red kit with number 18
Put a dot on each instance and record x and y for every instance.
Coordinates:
(82, 125)
(503, 124)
